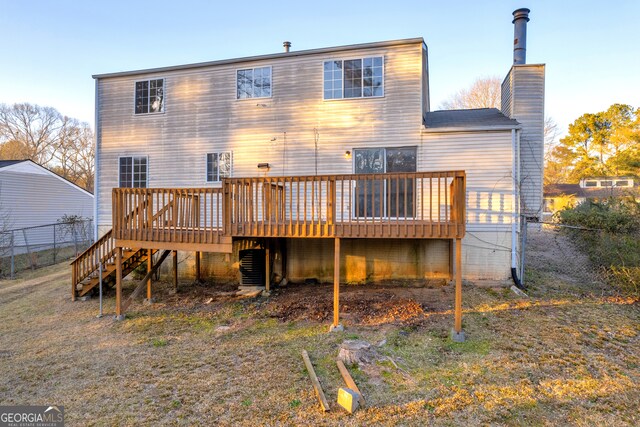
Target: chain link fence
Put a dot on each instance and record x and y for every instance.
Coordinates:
(34, 247)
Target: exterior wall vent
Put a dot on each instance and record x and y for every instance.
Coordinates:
(252, 267)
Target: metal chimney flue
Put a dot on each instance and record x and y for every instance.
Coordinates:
(520, 19)
(287, 46)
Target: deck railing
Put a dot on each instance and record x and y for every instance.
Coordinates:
(180, 215)
(88, 262)
(395, 205)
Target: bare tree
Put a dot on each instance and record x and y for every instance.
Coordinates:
(32, 128)
(483, 93)
(50, 139)
(75, 153)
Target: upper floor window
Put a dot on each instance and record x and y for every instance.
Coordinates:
(253, 83)
(133, 172)
(622, 183)
(606, 183)
(150, 96)
(591, 183)
(354, 78)
(218, 166)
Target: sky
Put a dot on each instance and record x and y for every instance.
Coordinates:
(50, 49)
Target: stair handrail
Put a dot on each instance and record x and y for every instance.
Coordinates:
(85, 264)
(87, 258)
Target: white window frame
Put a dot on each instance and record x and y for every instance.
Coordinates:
(362, 58)
(253, 70)
(206, 166)
(132, 157)
(164, 97)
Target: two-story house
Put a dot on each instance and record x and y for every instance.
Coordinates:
(329, 160)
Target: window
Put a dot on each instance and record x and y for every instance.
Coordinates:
(254, 83)
(218, 166)
(392, 197)
(622, 183)
(591, 184)
(150, 96)
(354, 78)
(133, 172)
(606, 183)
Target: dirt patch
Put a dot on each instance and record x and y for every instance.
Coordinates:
(361, 305)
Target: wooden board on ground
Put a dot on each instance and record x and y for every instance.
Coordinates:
(315, 382)
(346, 376)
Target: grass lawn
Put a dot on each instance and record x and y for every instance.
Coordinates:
(568, 355)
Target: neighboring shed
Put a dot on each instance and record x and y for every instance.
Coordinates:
(31, 195)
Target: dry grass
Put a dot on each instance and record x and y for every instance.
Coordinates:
(566, 356)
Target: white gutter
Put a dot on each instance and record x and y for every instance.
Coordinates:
(491, 128)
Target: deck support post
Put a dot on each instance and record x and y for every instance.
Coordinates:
(267, 270)
(175, 271)
(119, 313)
(149, 269)
(198, 279)
(451, 259)
(457, 334)
(336, 326)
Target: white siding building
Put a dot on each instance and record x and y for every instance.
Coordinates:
(340, 110)
(31, 195)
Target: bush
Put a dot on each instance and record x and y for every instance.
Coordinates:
(615, 216)
(613, 241)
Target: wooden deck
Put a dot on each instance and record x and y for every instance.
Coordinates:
(420, 205)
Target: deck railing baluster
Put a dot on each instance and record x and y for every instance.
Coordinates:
(382, 205)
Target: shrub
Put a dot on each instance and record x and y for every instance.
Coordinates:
(612, 215)
(613, 241)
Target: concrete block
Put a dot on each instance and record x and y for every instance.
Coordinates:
(84, 298)
(121, 317)
(338, 328)
(148, 301)
(457, 336)
(348, 399)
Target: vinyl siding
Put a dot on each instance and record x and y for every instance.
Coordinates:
(32, 199)
(523, 100)
(202, 115)
(487, 159)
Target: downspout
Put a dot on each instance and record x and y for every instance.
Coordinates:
(515, 172)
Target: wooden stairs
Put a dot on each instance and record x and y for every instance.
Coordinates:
(86, 267)
(131, 259)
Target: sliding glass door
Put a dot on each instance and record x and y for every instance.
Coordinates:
(389, 197)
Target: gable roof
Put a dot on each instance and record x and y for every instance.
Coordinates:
(30, 167)
(290, 54)
(556, 190)
(4, 163)
(471, 119)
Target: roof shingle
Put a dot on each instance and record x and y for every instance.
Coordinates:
(473, 118)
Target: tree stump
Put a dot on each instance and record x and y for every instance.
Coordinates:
(353, 352)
